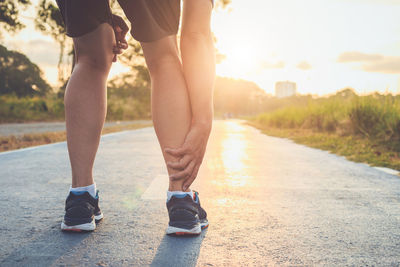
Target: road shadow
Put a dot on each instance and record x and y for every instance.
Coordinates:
(178, 251)
(45, 249)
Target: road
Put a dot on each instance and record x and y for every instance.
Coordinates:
(270, 202)
(19, 129)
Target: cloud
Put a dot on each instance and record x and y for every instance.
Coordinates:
(372, 62)
(375, 2)
(270, 65)
(41, 52)
(304, 65)
(355, 56)
(389, 65)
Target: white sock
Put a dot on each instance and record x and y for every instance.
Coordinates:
(90, 188)
(171, 193)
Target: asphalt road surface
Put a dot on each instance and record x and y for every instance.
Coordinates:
(19, 129)
(270, 202)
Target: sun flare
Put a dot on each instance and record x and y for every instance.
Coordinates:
(234, 154)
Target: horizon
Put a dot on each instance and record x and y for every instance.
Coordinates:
(357, 49)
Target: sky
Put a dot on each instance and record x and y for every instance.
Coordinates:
(322, 45)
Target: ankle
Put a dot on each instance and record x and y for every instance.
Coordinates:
(81, 182)
(177, 187)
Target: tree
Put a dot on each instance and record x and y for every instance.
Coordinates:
(129, 92)
(9, 14)
(223, 3)
(49, 21)
(237, 97)
(19, 76)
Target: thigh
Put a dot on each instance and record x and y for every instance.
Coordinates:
(152, 20)
(196, 17)
(96, 47)
(158, 51)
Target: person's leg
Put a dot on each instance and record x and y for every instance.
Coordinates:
(198, 63)
(170, 103)
(198, 57)
(85, 100)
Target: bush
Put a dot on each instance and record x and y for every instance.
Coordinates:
(374, 116)
(14, 109)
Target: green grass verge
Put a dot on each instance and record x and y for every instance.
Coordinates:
(354, 148)
(16, 142)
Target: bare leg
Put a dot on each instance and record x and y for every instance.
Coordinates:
(198, 57)
(199, 71)
(170, 104)
(86, 101)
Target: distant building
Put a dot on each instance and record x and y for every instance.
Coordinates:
(285, 89)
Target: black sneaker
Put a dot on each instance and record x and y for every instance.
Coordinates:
(186, 216)
(82, 212)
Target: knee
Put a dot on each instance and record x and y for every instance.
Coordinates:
(168, 59)
(95, 49)
(99, 63)
(200, 35)
(193, 40)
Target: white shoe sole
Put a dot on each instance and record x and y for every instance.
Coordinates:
(181, 231)
(98, 217)
(80, 227)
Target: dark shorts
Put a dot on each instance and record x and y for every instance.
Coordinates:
(150, 20)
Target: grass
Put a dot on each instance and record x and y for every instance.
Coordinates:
(14, 109)
(27, 140)
(51, 108)
(354, 148)
(361, 128)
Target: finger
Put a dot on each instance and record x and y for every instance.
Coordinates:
(123, 44)
(121, 25)
(118, 47)
(124, 27)
(188, 182)
(181, 164)
(114, 58)
(120, 22)
(118, 29)
(176, 152)
(117, 51)
(123, 33)
(185, 173)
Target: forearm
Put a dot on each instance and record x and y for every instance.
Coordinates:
(198, 59)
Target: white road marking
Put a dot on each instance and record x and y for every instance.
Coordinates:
(388, 170)
(57, 143)
(157, 190)
(29, 148)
